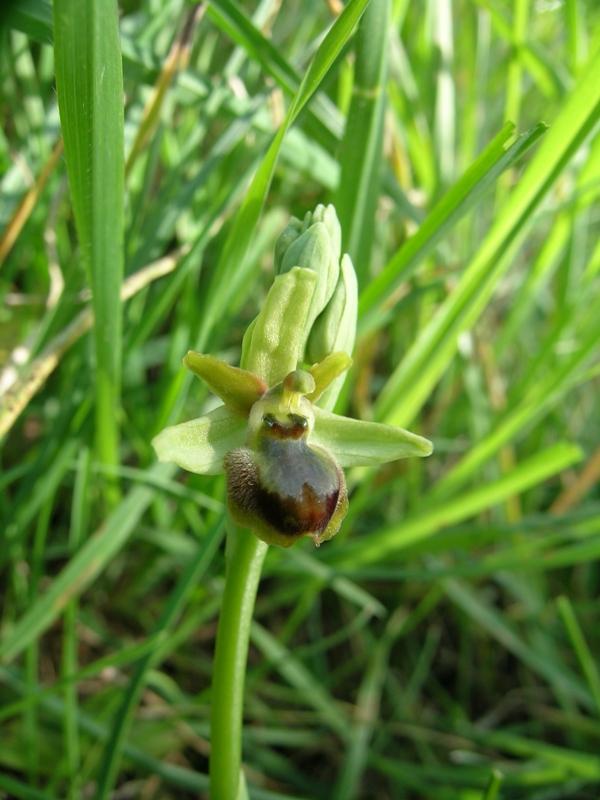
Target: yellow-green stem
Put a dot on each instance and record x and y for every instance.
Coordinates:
(245, 555)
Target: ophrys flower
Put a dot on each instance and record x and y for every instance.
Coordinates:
(275, 436)
(283, 455)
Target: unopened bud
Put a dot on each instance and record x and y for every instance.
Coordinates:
(315, 244)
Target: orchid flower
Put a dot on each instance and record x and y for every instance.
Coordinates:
(275, 436)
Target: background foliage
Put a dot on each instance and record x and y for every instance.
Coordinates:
(445, 643)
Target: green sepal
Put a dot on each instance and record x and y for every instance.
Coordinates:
(326, 372)
(237, 388)
(355, 443)
(200, 445)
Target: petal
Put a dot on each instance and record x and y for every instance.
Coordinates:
(327, 371)
(200, 445)
(237, 388)
(356, 443)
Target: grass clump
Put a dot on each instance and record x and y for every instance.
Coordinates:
(444, 643)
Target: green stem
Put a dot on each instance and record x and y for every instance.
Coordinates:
(245, 555)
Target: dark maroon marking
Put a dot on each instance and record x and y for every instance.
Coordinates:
(291, 516)
(295, 429)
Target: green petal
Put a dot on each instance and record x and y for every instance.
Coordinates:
(237, 388)
(200, 445)
(326, 372)
(356, 443)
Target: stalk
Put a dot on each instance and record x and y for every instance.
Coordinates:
(245, 555)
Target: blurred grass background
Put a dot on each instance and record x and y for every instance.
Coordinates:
(445, 643)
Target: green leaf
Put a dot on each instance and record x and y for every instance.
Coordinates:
(361, 149)
(89, 85)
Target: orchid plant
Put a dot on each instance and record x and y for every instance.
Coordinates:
(280, 444)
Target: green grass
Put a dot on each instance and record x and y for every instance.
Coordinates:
(445, 643)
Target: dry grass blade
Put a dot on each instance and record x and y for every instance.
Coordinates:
(26, 385)
(586, 480)
(27, 204)
(176, 60)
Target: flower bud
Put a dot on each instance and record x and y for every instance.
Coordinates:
(275, 341)
(335, 328)
(313, 244)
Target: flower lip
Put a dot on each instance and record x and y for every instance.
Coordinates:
(285, 489)
(307, 513)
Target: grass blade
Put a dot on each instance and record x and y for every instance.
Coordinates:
(190, 578)
(22, 791)
(83, 568)
(294, 671)
(367, 710)
(494, 622)
(387, 541)
(89, 81)
(33, 377)
(356, 200)
(497, 157)
(33, 17)
(234, 23)
(415, 377)
(27, 204)
(584, 655)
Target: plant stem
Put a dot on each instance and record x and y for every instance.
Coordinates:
(245, 555)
